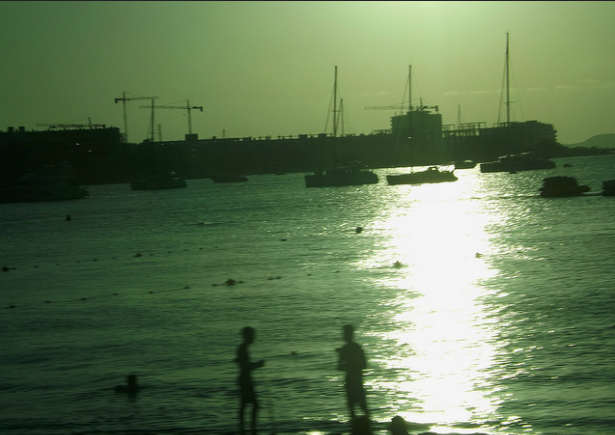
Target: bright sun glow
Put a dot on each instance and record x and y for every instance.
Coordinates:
(443, 338)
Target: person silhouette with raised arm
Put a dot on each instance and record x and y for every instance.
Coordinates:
(352, 360)
(246, 384)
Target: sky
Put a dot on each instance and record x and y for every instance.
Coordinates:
(267, 68)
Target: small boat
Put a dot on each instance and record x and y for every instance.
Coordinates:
(608, 188)
(431, 175)
(53, 183)
(562, 186)
(517, 162)
(465, 164)
(351, 175)
(157, 182)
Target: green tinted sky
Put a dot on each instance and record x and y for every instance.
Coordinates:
(266, 68)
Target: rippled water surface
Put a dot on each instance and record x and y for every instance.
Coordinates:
(482, 307)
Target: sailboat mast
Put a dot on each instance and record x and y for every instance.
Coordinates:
(410, 88)
(507, 85)
(342, 115)
(335, 103)
(409, 134)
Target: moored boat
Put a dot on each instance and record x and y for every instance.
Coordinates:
(348, 175)
(352, 175)
(608, 188)
(431, 175)
(562, 186)
(465, 164)
(516, 163)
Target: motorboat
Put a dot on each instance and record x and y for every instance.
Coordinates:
(433, 174)
(516, 163)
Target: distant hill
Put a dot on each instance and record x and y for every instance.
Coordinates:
(599, 141)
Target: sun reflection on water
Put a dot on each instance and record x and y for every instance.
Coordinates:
(441, 347)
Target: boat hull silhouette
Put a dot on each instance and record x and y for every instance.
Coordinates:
(431, 175)
(341, 177)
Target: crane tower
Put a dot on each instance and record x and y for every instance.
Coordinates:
(124, 99)
(187, 107)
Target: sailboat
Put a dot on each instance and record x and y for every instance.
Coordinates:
(347, 175)
(514, 162)
(433, 174)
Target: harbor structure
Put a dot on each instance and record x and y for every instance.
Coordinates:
(99, 155)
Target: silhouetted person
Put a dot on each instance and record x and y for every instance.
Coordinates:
(352, 360)
(246, 384)
(131, 387)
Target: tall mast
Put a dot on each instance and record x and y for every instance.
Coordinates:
(409, 134)
(410, 88)
(335, 119)
(342, 114)
(507, 86)
(335, 103)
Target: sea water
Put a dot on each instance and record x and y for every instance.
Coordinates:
(482, 307)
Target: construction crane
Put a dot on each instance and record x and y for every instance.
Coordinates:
(124, 99)
(393, 107)
(71, 125)
(401, 106)
(187, 107)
